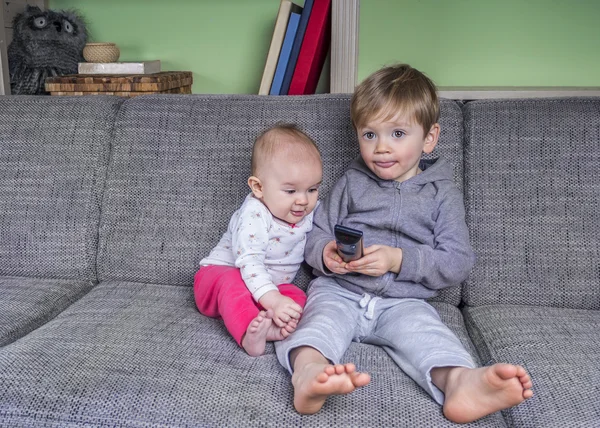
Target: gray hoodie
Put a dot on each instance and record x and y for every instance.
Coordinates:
(424, 216)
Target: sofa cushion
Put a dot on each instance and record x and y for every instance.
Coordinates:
(180, 166)
(27, 303)
(131, 354)
(53, 160)
(533, 198)
(559, 347)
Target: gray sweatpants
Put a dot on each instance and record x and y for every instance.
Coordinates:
(409, 330)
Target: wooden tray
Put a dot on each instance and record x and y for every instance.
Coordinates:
(157, 82)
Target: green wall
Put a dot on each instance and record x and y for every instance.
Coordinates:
(485, 42)
(456, 42)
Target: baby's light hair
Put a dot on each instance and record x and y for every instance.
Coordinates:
(396, 89)
(282, 139)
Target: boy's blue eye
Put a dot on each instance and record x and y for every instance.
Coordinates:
(369, 135)
(398, 134)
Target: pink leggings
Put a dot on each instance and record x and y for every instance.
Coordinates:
(221, 292)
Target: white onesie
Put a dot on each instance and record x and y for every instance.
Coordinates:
(267, 251)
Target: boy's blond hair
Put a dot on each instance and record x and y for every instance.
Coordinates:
(396, 89)
(282, 139)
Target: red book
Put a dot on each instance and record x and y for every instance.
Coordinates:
(313, 52)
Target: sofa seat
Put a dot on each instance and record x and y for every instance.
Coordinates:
(559, 347)
(27, 303)
(134, 354)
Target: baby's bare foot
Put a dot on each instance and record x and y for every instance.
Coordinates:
(279, 333)
(314, 382)
(474, 393)
(255, 339)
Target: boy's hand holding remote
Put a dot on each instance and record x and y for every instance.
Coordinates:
(332, 259)
(377, 260)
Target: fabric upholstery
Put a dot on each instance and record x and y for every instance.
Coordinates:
(180, 166)
(53, 160)
(533, 202)
(27, 303)
(560, 348)
(140, 355)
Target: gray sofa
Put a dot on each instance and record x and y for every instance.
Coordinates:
(107, 205)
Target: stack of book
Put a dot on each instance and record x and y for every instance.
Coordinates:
(298, 50)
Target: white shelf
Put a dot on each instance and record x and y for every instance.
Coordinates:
(487, 92)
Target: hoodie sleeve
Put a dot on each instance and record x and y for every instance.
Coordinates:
(451, 259)
(330, 212)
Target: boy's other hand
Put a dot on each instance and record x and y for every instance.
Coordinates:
(332, 259)
(284, 308)
(377, 260)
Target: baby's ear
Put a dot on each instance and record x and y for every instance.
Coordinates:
(431, 138)
(255, 186)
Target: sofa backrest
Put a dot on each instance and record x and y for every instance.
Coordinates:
(53, 159)
(533, 202)
(179, 169)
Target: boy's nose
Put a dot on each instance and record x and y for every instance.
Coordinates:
(381, 147)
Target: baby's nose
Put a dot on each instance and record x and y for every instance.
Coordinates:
(301, 199)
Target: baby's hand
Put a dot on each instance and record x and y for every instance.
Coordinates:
(332, 259)
(377, 260)
(284, 308)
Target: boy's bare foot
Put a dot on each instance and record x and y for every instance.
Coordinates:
(314, 382)
(255, 339)
(474, 393)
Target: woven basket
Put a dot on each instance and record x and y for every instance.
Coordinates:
(101, 52)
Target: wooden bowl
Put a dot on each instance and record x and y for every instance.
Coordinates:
(101, 52)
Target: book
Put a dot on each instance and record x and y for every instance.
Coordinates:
(281, 22)
(291, 65)
(344, 45)
(141, 67)
(284, 55)
(313, 51)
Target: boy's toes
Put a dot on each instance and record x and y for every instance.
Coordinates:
(507, 371)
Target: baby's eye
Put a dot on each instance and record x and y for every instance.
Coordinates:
(369, 135)
(313, 190)
(290, 192)
(398, 134)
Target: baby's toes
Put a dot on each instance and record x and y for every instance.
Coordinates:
(290, 327)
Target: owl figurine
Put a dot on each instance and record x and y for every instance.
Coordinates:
(45, 43)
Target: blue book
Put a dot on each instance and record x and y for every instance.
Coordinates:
(291, 66)
(284, 54)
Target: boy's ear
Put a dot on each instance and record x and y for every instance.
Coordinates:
(255, 186)
(431, 138)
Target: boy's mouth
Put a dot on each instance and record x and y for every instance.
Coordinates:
(298, 213)
(385, 164)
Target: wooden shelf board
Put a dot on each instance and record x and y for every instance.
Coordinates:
(488, 92)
